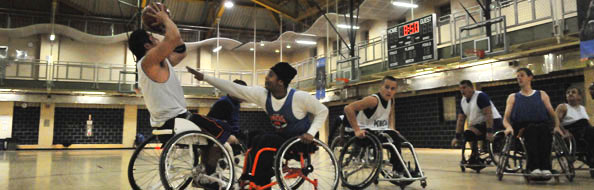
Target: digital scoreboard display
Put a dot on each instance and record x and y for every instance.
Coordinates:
(412, 42)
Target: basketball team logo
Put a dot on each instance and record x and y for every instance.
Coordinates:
(278, 121)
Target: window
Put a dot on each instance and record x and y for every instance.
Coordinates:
(449, 108)
(444, 10)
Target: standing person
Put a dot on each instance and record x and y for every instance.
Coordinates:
(287, 109)
(483, 119)
(376, 113)
(532, 110)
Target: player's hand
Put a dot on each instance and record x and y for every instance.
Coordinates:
(360, 133)
(454, 142)
(306, 138)
(197, 75)
(508, 131)
(159, 12)
(558, 130)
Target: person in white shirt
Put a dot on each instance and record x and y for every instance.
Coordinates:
(376, 113)
(287, 109)
(483, 119)
(575, 119)
(162, 91)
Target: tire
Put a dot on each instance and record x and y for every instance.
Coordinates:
(201, 140)
(354, 154)
(138, 169)
(320, 162)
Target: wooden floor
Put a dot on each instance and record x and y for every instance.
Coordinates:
(107, 169)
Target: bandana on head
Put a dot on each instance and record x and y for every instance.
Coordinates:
(284, 71)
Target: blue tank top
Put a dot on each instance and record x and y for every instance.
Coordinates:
(529, 109)
(284, 121)
(234, 121)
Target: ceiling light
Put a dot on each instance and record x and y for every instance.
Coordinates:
(217, 49)
(288, 46)
(304, 34)
(276, 51)
(347, 26)
(251, 49)
(404, 4)
(262, 44)
(229, 4)
(305, 42)
(52, 37)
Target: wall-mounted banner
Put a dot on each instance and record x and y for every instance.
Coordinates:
(586, 26)
(89, 126)
(321, 78)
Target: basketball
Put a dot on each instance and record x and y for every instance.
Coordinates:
(148, 21)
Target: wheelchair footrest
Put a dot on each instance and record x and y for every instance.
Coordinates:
(402, 179)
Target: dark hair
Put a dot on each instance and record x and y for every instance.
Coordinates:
(526, 70)
(240, 82)
(388, 78)
(136, 43)
(578, 90)
(591, 86)
(466, 83)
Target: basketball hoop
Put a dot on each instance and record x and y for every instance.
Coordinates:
(479, 53)
(342, 81)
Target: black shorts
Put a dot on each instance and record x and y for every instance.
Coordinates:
(497, 126)
(219, 129)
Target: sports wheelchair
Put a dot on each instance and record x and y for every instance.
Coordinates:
(168, 161)
(577, 149)
(298, 165)
(513, 159)
(489, 152)
(362, 161)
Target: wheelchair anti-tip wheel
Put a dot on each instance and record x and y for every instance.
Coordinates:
(360, 160)
(197, 158)
(298, 165)
(143, 168)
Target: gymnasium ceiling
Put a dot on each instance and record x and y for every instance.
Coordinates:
(295, 16)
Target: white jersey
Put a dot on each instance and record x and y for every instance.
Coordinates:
(163, 100)
(473, 112)
(574, 114)
(380, 120)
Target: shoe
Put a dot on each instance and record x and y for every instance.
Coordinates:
(474, 160)
(536, 172)
(396, 174)
(205, 183)
(546, 172)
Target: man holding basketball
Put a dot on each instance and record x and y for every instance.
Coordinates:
(161, 89)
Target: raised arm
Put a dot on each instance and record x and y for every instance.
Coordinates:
(151, 63)
(251, 94)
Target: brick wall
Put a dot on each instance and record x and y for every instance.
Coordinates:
(143, 123)
(25, 125)
(70, 125)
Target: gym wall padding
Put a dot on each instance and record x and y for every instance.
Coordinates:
(25, 125)
(70, 125)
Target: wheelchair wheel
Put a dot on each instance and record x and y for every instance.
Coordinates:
(466, 156)
(562, 158)
(337, 144)
(143, 168)
(360, 160)
(185, 159)
(496, 147)
(306, 166)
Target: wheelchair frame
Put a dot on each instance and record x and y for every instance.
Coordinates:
(407, 179)
(520, 156)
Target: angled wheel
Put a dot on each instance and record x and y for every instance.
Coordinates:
(306, 166)
(360, 160)
(198, 158)
(143, 168)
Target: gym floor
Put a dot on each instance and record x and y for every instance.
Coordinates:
(107, 169)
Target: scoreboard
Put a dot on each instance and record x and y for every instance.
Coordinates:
(412, 42)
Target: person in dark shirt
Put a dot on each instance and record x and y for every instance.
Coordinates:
(532, 110)
(227, 109)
